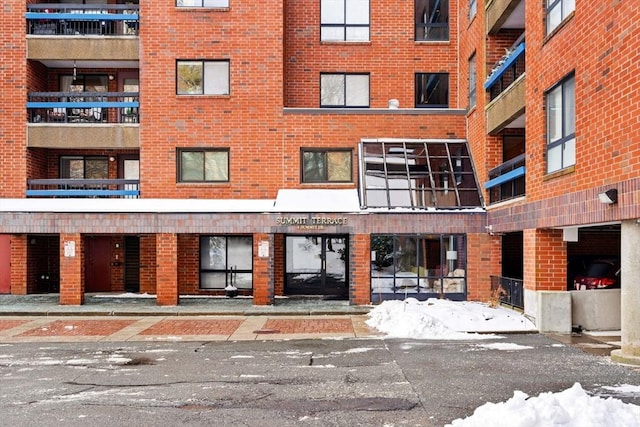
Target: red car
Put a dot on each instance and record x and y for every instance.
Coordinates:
(599, 274)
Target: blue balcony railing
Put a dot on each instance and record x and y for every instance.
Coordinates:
(69, 19)
(108, 188)
(83, 107)
(507, 180)
(506, 71)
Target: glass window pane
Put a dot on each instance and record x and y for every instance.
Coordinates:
(191, 166)
(357, 34)
(216, 166)
(71, 168)
(569, 105)
(339, 166)
(554, 159)
(568, 6)
(212, 280)
(569, 154)
(332, 90)
(357, 12)
(216, 3)
(332, 12)
(314, 166)
(189, 3)
(96, 168)
(357, 88)
(554, 17)
(189, 77)
(554, 114)
(213, 253)
(216, 78)
(332, 34)
(243, 280)
(240, 252)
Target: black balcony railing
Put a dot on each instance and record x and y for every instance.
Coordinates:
(69, 19)
(506, 71)
(92, 188)
(511, 291)
(83, 107)
(507, 180)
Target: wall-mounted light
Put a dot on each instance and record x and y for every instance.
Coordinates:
(609, 197)
(112, 159)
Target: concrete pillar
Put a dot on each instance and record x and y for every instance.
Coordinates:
(71, 269)
(263, 256)
(630, 294)
(167, 269)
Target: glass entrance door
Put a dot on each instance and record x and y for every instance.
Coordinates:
(317, 266)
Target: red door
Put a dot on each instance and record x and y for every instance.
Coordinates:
(97, 270)
(5, 264)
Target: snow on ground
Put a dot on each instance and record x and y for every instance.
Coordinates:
(449, 320)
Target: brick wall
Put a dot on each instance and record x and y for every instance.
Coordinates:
(72, 270)
(545, 260)
(19, 276)
(166, 268)
(360, 269)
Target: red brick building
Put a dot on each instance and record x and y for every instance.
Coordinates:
(351, 149)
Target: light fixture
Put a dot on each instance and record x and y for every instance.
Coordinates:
(609, 197)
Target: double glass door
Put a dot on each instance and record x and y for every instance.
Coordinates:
(316, 265)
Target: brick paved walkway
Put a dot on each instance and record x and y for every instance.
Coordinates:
(183, 328)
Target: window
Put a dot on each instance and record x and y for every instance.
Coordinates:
(473, 8)
(561, 125)
(432, 20)
(432, 90)
(326, 165)
(417, 174)
(472, 81)
(557, 11)
(202, 3)
(84, 167)
(226, 260)
(344, 20)
(202, 77)
(203, 165)
(344, 90)
(417, 266)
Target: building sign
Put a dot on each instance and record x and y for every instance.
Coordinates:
(310, 223)
(70, 249)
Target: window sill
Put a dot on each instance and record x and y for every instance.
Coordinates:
(345, 42)
(562, 172)
(432, 42)
(203, 9)
(557, 29)
(196, 96)
(204, 184)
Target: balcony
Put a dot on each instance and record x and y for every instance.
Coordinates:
(507, 181)
(83, 119)
(506, 87)
(504, 14)
(93, 32)
(88, 188)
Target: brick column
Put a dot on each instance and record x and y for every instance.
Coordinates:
(18, 268)
(167, 269)
(263, 285)
(484, 254)
(71, 269)
(545, 260)
(360, 269)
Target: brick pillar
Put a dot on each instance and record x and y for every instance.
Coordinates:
(360, 269)
(71, 269)
(278, 264)
(545, 260)
(263, 256)
(147, 264)
(484, 254)
(167, 269)
(18, 268)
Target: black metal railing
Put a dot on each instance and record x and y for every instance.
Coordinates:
(83, 107)
(510, 291)
(507, 181)
(107, 188)
(70, 19)
(506, 71)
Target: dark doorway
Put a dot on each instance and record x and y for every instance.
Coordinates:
(97, 272)
(132, 264)
(316, 265)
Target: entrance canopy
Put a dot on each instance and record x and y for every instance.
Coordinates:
(417, 174)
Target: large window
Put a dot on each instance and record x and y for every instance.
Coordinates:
(344, 90)
(320, 165)
(473, 83)
(203, 165)
(561, 125)
(558, 11)
(226, 260)
(202, 77)
(418, 174)
(418, 266)
(432, 90)
(432, 20)
(202, 3)
(344, 20)
(84, 167)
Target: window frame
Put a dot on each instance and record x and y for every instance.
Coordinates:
(202, 5)
(85, 159)
(229, 270)
(345, 26)
(419, 90)
(473, 81)
(203, 84)
(567, 139)
(421, 26)
(345, 77)
(473, 9)
(203, 150)
(550, 8)
(325, 179)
